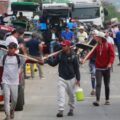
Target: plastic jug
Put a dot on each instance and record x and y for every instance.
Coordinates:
(79, 94)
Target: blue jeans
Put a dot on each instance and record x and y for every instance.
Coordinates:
(52, 45)
(93, 75)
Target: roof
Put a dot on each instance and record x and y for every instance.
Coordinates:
(84, 4)
(55, 6)
(24, 3)
(24, 6)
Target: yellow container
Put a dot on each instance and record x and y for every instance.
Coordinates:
(28, 71)
(79, 94)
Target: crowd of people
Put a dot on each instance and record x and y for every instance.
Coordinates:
(62, 36)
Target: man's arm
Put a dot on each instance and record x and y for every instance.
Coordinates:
(76, 68)
(53, 61)
(112, 55)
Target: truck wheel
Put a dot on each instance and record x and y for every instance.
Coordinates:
(20, 101)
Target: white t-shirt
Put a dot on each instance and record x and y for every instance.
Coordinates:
(10, 39)
(82, 36)
(11, 70)
(53, 36)
(110, 40)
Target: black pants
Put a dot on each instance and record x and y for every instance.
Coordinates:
(106, 77)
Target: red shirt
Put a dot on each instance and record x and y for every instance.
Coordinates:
(104, 55)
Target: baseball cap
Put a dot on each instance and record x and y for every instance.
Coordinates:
(66, 43)
(12, 45)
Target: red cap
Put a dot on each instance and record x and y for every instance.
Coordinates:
(66, 43)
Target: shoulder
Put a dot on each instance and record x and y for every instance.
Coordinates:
(9, 37)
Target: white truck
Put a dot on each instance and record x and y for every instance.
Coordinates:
(90, 11)
(56, 9)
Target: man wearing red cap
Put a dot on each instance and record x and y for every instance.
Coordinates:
(69, 75)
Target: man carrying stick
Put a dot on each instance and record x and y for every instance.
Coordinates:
(69, 75)
(105, 56)
(11, 63)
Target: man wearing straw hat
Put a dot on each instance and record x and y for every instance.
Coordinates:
(82, 35)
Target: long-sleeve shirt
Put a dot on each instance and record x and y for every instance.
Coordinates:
(68, 66)
(104, 55)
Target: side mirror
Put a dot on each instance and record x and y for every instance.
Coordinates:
(106, 12)
(71, 5)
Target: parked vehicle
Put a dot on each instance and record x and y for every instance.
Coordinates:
(4, 31)
(89, 11)
(28, 9)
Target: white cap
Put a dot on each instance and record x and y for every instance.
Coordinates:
(101, 34)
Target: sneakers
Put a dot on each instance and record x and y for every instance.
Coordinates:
(96, 104)
(93, 92)
(70, 113)
(59, 114)
(107, 102)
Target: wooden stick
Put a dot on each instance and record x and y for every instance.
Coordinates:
(52, 54)
(55, 53)
(89, 53)
(24, 56)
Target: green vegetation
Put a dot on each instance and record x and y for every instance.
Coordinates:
(112, 12)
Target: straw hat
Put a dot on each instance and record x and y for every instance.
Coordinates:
(101, 35)
(81, 28)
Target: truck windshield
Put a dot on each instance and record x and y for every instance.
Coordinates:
(56, 12)
(86, 13)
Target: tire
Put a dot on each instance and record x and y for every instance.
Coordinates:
(20, 101)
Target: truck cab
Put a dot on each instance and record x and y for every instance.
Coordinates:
(92, 12)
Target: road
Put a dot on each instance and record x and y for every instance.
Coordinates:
(41, 103)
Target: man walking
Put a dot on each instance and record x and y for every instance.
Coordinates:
(69, 75)
(35, 50)
(105, 56)
(10, 79)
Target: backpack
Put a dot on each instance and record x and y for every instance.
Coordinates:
(18, 59)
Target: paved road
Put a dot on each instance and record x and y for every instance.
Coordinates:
(41, 99)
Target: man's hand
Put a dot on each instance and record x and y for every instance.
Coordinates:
(78, 83)
(41, 62)
(109, 66)
(81, 61)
